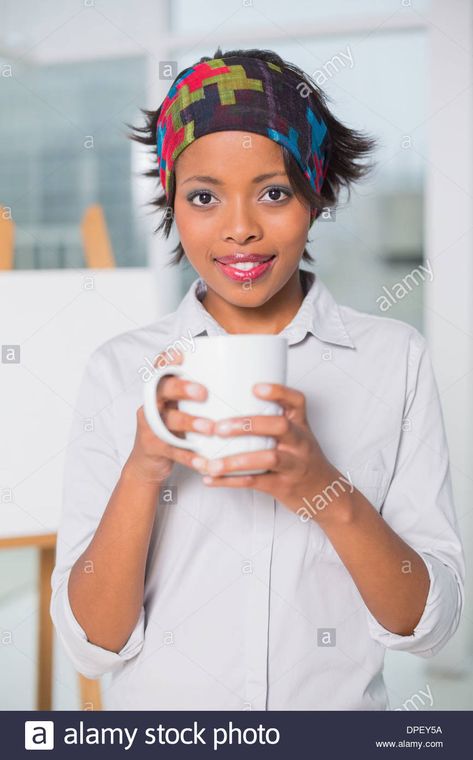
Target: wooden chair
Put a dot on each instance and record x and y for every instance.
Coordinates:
(98, 252)
(7, 237)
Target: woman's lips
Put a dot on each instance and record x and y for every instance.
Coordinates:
(239, 275)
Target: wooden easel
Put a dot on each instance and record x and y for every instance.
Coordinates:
(46, 545)
(89, 690)
(98, 254)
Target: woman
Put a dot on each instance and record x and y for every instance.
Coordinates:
(199, 589)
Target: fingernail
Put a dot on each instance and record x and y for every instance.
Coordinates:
(263, 389)
(198, 462)
(223, 427)
(215, 466)
(195, 390)
(203, 426)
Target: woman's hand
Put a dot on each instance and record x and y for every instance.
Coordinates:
(152, 459)
(297, 466)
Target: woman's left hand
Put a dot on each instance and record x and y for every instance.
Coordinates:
(297, 466)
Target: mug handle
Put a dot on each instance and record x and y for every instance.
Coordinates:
(151, 411)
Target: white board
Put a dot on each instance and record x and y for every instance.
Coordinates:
(57, 318)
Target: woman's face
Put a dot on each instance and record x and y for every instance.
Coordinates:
(224, 207)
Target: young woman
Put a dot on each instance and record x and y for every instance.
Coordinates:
(199, 589)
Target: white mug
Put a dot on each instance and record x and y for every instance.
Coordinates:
(228, 366)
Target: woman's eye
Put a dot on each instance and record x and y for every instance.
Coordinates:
(277, 191)
(201, 194)
(205, 196)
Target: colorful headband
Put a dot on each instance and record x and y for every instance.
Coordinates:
(248, 94)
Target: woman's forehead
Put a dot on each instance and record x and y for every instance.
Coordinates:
(244, 149)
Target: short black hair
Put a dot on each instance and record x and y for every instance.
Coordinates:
(347, 149)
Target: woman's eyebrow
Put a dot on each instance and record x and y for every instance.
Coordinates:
(215, 181)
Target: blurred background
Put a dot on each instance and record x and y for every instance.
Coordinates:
(79, 261)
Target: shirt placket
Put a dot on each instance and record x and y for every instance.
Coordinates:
(258, 601)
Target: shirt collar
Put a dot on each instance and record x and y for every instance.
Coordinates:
(318, 314)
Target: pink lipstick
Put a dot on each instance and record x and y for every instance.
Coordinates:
(244, 266)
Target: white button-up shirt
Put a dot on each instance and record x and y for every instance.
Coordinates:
(246, 605)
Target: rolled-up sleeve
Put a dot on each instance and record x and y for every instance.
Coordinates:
(91, 471)
(419, 506)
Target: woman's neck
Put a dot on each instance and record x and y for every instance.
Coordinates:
(269, 318)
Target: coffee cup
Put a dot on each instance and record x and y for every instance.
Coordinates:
(228, 366)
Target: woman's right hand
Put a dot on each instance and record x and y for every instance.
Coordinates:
(151, 458)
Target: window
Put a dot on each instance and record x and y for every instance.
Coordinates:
(63, 147)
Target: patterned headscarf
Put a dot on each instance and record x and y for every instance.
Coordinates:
(247, 94)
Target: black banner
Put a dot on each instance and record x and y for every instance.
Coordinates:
(225, 734)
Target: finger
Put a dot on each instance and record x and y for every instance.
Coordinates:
(158, 447)
(264, 482)
(182, 456)
(172, 388)
(179, 421)
(290, 399)
(273, 460)
(279, 426)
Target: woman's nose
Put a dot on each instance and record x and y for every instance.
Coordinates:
(240, 223)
